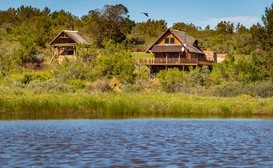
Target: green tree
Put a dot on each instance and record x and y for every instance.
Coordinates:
(72, 70)
(198, 76)
(171, 79)
(189, 28)
(26, 53)
(144, 34)
(225, 27)
(263, 37)
(110, 23)
(268, 23)
(119, 65)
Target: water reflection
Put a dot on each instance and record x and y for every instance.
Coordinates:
(137, 143)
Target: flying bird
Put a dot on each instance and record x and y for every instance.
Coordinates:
(146, 14)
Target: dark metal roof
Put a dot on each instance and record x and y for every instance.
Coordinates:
(191, 43)
(166, 48)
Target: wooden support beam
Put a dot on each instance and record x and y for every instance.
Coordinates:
(65, 45)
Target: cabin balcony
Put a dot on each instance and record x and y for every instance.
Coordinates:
(174, 61)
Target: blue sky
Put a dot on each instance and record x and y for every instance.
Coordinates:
(198, 12)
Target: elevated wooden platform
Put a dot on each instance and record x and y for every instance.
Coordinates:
(174, 62)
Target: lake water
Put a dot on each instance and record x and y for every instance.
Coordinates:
(137, 143)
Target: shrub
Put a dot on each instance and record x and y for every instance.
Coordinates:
(36, 75)
(77, 83)
(261, 89)
(119, 65)
(229, 89)
(170, 79)
(133, 88)
(50, 86)
(101, 85)
(70, 70)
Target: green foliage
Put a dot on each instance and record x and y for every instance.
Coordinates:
(119, 65)
(196, 77)
(144, 34)
(49, 86)
(141, 56)
(70, 70)
(5, 65)
(133, 88)
(225, 27)
(113, 105)
(26, 31)
(171, 79)
(261, 89)
(233, 89)
(100, 85)
(268, 22)
(229, 89)
(38, 76)
(189, 28)
(76, 83)
(110, 23)
(87, 54)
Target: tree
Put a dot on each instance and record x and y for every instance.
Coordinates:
(8, 17)
(26, 52)
(241, 28)
(110, 23)
(171, 79)
(268, 23)
(263, 38)
(87, 54)
(225, 27)
(5, 65)
(144, 34)
(119, 65)
(189, 28)
(64, 19)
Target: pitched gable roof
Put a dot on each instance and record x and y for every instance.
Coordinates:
(73, 35)
(180, 36)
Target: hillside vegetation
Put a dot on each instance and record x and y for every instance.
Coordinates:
(109, 66)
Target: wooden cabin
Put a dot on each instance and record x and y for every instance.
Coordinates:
(64, 45)
(175, 49)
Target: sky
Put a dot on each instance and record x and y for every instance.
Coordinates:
(199, 12)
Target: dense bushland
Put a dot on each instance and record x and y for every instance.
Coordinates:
(108, 64)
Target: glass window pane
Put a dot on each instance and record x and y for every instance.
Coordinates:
(172, 40)
(166, 40)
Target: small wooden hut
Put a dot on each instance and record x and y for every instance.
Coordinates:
(64, 45)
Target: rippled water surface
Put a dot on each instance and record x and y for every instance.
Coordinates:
(137, 143)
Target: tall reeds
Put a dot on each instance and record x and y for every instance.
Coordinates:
(130, 105)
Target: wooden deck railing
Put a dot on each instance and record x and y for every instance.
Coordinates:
(167, 61)
(173, 61)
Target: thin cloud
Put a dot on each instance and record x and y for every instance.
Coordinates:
(247, 21)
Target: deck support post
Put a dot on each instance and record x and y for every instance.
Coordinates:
(138, 71)
(149, 71)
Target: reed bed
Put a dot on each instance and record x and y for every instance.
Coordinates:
(132, 105)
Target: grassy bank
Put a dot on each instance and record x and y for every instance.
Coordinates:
(125, 105)
(141, 55)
